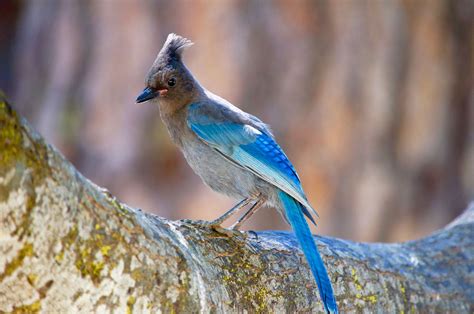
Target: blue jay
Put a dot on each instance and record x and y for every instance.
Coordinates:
(232, 151)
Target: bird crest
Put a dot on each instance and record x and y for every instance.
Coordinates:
(174, 47)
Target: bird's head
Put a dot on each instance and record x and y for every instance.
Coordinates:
(168, 80)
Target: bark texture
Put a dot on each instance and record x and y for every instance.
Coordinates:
(66, 245)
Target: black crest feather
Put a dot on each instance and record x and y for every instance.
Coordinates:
(174, 47)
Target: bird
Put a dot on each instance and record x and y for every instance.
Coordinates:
(233, 152)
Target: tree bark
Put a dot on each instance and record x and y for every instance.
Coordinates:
(67, 245)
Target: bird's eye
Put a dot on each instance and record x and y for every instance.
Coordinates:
(172, 82)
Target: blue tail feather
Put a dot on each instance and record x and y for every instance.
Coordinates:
(294, 213)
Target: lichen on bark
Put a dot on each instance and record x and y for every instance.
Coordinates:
(69, 245)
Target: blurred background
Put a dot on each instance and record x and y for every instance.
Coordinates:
(373, 101)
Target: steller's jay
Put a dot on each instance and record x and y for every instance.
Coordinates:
(232, 151)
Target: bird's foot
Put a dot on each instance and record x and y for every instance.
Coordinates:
(213, 225)
(202, 223)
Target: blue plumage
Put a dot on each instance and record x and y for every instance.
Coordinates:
(258, 152)
(265, 149)
(248, 147)
(232, 151)
(294, 214)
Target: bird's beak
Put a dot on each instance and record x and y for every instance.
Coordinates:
(147, 94)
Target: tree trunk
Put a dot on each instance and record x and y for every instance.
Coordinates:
(66, 245)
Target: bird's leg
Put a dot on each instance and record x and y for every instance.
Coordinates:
(227, 214)
(255, 207)
(221, 219)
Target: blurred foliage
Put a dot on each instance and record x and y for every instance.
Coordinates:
(372, 100)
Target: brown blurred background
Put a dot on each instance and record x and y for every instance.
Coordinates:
(373, 101)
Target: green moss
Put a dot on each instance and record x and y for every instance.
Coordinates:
(139, 274)
(371, 298)
(24, 252)
(13, 139)
(130, 302)
(122, 210)
(88, 267)
(10, 135)
(71, 237)
(244, 278)
(20, 153)
(59, 257)
(404, 294)
(85, 250)
(23, 227)
(27, 309)
(183, 301)
(355, 279)
(85, 260)
(32, 278)
(105, 250)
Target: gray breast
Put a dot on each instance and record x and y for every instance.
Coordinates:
(216, 171)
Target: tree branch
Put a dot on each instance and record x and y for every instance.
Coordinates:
(68, 245)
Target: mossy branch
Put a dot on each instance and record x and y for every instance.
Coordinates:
(68, 245)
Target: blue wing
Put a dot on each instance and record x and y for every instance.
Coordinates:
(250, 148)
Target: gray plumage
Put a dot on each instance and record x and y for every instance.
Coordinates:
(232, 151)
(215, 170)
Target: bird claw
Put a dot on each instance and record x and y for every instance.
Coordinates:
(201, 223)
(227, 232)
(213, 225)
